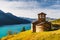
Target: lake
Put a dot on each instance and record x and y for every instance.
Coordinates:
(14, 28)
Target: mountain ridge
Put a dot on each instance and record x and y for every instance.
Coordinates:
(9, 19)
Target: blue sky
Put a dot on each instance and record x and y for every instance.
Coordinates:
(30, 8)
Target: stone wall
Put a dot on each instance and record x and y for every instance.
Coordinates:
(39, 28)
(31, 27)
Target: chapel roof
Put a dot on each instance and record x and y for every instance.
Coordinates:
(41, 13)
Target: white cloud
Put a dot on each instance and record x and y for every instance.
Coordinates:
(55, 7)
(5, 5)
(33, 13)
(29, 9)
(25, 5)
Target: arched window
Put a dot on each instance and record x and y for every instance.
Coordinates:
(42, 16)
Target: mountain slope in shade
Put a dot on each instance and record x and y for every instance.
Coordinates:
(9, 19)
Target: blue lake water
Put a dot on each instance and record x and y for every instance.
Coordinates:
(14, 28)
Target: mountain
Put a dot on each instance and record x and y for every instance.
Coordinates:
(50, 19)
(9, 19)
(30, 19)
(34, 19)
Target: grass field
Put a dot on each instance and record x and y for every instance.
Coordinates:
(29, 35)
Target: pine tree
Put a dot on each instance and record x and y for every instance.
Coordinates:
(23, 29)
(9, 32)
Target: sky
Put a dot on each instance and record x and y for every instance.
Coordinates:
(30, 8)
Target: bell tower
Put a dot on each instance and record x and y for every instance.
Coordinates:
(41, 17)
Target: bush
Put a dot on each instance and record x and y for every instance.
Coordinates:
(9, 32)
(23, 29)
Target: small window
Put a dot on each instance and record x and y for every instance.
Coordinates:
(42, 16)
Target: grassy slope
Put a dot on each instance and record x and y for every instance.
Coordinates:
(57, 21)
(28, 35)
